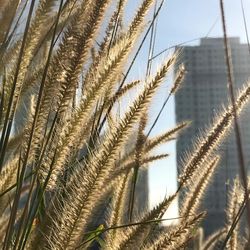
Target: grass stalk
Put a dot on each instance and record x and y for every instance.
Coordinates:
(242, 166)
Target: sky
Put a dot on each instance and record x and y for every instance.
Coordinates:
(181, 21)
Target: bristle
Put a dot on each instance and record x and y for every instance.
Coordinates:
(72, 153)
(78, 122)
(82, 198)
(139, 17)
(7, 178)
(177, 237)
(7, 12)
(179, 79)
(236, 197)
(194, 197)
(210, 242)
(3, 226)
(152, 143)
(136, 235)
(123, 91)
(118, 210)
(34, 35)
(214, 136)
(59, 67)
(130, 164)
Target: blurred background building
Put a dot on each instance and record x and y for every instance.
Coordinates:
(141, 202)
(142, 193)
(200, 99)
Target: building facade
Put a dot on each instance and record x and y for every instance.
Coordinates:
(201, 98)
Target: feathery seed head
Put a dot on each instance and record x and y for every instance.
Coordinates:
(214, 136)
(179, 79)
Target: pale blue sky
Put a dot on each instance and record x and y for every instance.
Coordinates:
(180, 21)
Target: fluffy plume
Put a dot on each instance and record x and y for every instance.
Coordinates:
(196, 191)
(76, 126)
(178, 80)
(70, 155)
(236, 198)
(215, 135)
(135, 235)
(81, 199)
(7, 178)
(156, 141)
(210, 243)
(118, 211)
(178, 237)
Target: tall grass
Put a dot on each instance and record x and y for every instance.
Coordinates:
(64, 153)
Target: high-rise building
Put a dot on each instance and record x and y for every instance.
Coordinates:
(141, 202)
(200, 99)
(142, 193)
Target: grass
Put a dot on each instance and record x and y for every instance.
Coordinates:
(64, 150)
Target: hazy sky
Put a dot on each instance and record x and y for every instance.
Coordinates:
(180, 21)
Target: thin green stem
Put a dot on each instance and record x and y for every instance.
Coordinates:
(6, 133)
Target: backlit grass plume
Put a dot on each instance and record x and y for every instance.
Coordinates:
(70, 160)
